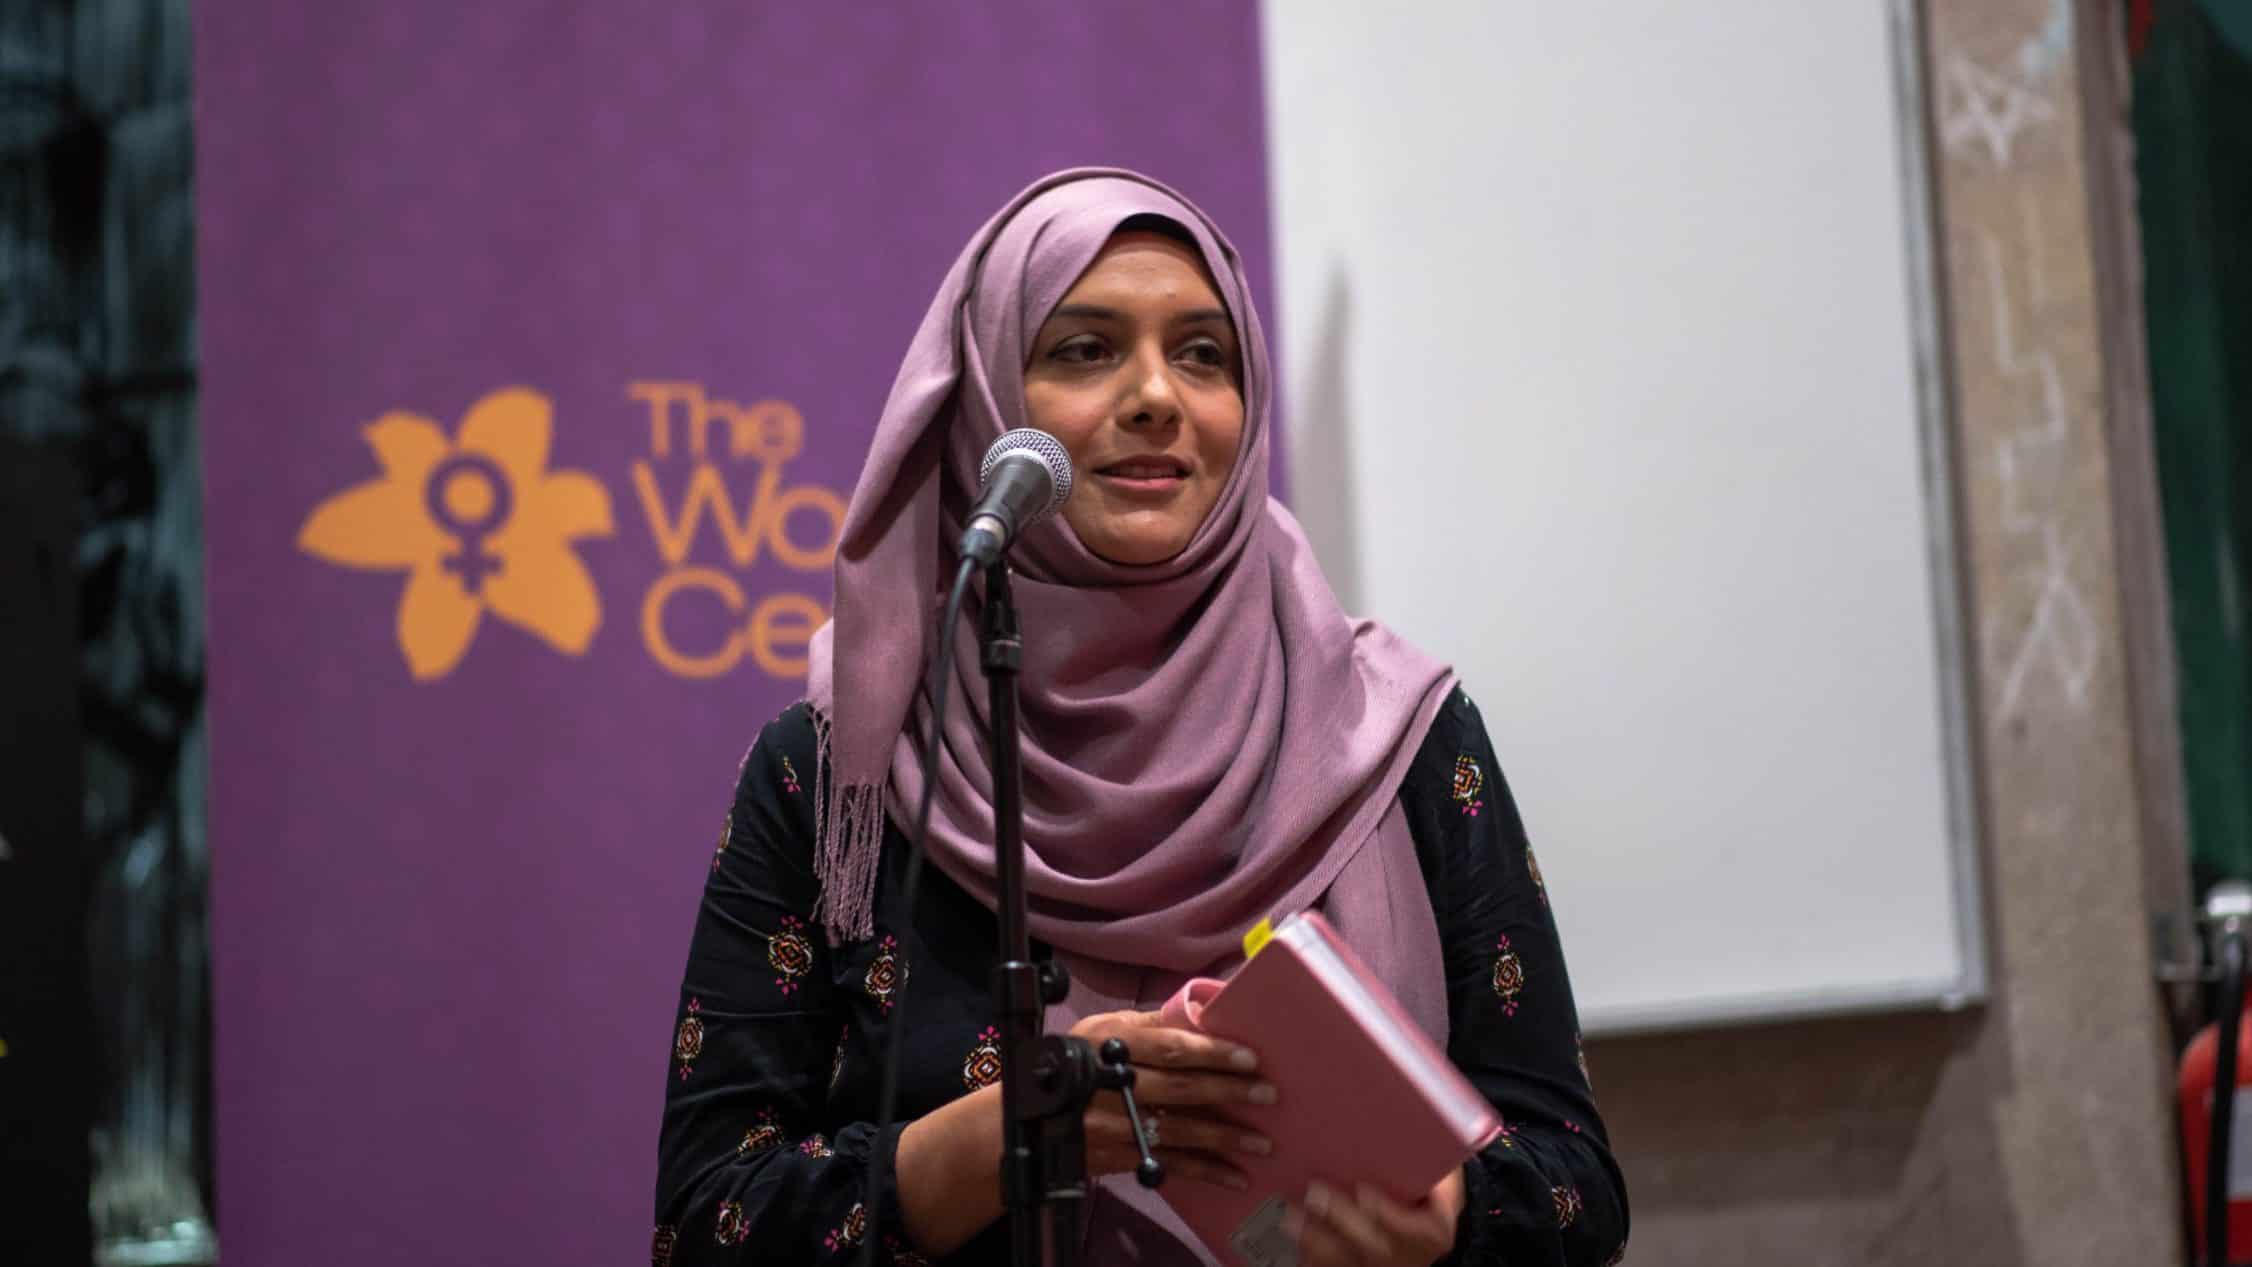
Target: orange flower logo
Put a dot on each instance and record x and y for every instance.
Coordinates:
(477, 523)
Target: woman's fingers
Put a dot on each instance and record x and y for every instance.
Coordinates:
(1151, 1042)
(1176, 1072)
(1196, 1087)
(1176, 1066)
(1369, 1227)
(1426, 1227)
(1318, 1245)
(1180, 1128)
(1190, 1145)
(1365, 1236)
(1179, 1163)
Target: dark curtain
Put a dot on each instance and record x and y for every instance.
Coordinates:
(105, 1076)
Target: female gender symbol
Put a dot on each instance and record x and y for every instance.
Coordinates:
(473, 562)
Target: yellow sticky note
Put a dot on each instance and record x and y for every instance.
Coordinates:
(1256, 940)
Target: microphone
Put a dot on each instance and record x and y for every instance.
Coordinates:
(1025, 477)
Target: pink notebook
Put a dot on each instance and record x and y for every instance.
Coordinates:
(1364, 1095)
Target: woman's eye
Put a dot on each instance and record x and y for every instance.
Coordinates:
(1080, 351)
(1207, 353)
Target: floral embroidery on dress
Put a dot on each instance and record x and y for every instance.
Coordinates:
(886, 973)
(1532, 865)
(762, 1135)
(901, 1256)
(660, 1245)
(1509, 978)
(1469, 781)
(816, 1145)
(982, 1068)
(789, 953)
(734, 1225)
(789, 776)
(688, 1042)
(1567, 1205)
(1503, 1135)
(851, 1231)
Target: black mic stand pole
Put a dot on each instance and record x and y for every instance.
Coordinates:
(1046, 1080)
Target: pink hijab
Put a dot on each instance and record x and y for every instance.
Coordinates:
(1207, 741)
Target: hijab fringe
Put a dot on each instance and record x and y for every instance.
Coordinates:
(849, 829)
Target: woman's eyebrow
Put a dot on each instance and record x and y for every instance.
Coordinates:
(1096, 312)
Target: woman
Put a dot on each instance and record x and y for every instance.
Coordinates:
(1208, 740)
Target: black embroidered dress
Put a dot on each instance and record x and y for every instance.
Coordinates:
(777, 1047)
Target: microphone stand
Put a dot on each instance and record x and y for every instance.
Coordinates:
(1046, 1079)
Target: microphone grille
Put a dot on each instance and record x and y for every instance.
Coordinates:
(1045, 449)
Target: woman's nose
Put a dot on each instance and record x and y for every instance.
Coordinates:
(1153, 401)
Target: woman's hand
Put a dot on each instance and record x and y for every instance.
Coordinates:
(1179, 1078)
(948, 1159)
(1369, 1229)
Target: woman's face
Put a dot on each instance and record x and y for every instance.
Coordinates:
(1138, 373)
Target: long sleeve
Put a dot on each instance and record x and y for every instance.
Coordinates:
(1547, 1191)
(746, 1172)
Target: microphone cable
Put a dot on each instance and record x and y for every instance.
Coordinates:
(887, 1100)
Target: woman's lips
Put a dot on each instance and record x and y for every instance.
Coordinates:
(1145, 478)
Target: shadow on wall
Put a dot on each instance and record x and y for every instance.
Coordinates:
(1859, 1140)
(1321, 449)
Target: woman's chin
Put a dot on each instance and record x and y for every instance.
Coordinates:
(1137, 547)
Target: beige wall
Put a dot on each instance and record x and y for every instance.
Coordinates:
(2035, 1130)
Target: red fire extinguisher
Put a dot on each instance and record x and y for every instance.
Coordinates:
(2218, 1062)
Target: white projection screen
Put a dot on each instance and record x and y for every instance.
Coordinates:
(1609, 350)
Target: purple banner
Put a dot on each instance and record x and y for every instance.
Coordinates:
(540, 345)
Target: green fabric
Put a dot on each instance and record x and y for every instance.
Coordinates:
(2233, 20)
(2193, 129)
